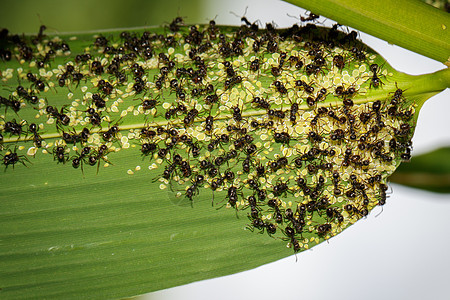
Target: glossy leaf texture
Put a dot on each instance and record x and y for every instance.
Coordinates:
(143, 159)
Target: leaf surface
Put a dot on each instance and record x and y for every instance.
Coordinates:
(114, 225)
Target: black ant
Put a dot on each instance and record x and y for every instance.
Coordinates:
(232, 195)
(147, 148)
(261, 103)
(349, 37)
(194, 148)
(276, 113)
(253, 207)
(398, 96)
(313, 69)
(255, 124)
(212, 30)
(280, 87)
(149, 103)
(335, 180)
(314, 137)
(281, 188)
(139, 86)
(229, 69)
(279, 163)
(253, 26)
(237, 116)
(383, 156)
(111, 133)
(97, 155)
(209, 123)
(334, 213)
(220, 160)
(254, 65)
(62, 119)
(105, 87)
(211, 99)
(382, 198)
(193, 189)
(337, 135)
(189, 119)
(33, 128)
(60, 154)
(257, 222)
(323, 229)
(338, 61)
(330, 113)
(40, 34)
(293, 112)
(25, 52)
(282, 137)
(13, 128)
(347, 155)
(11, 102)
(48, 55)
(64, 76)
(12, 158)
(295, 60)
(95, 117)
(359, 54)
(185, 168)
(79, 159)
(97, 67)
(170, 169)
(308, 88)
(206, 165)
(39, 84)
(310, 17)
(98, 101)
(137, 69)
(375, 80)
(77, 77)
(302, 183)
(321, 95)
(101, 41)
(82, 58)
(340, 91)
(229, 83)
(74, 138)
(22, 92)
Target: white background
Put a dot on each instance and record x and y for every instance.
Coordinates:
(404, 253)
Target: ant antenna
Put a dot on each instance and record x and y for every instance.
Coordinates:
(376, 216)
(245, 12)
(291, 16)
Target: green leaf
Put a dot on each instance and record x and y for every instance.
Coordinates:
(112, 226)
(429, 171)
(393, 21)
(113, 235)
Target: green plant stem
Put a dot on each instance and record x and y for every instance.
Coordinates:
(411, 24)
(436, 81)
(422, 87)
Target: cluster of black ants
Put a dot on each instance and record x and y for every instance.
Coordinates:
(331, 157)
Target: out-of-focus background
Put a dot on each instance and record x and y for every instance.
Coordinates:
(403, 253)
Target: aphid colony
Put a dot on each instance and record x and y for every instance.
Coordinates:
(274, 122)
